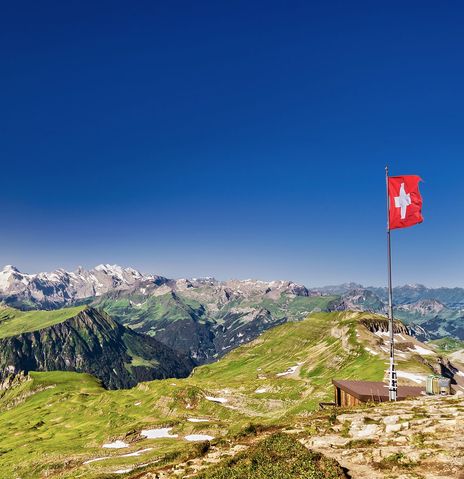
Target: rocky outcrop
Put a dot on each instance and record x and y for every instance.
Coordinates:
(92, 342)
(407, 439)
(423, 307)
(358, 300)
(419, 332)
(240, 326)
(377, 324)
(12, 380)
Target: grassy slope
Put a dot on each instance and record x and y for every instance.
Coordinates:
(136, 310)
(310, 343)
(292, 307)
(447, 345)
(56, 429)
(279, 456)
(13, 321)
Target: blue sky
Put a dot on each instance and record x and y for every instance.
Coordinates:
(241, 140)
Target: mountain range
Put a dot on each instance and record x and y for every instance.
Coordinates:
(205, 318)
(60, 287)
(232, 360)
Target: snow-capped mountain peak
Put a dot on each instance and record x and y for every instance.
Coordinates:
(61, 287)
(12, 279)
(11, 268)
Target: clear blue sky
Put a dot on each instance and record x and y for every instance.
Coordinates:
(241, 140)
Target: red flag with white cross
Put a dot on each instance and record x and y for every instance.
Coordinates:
(405, 208)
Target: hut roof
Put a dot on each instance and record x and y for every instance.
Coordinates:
(375, 390)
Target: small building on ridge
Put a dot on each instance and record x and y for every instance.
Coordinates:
(352, 393)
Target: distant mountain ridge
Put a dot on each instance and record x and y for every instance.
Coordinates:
(205, 318)
(429, 313)
(201, 317)
(60, 288)
(409, 293)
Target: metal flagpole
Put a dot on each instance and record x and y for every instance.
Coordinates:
(392, 385)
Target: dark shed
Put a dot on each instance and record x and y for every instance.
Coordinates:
(351, 393)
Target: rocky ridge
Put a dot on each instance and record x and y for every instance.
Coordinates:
(92, 342)
(418, 438)
(60, 288)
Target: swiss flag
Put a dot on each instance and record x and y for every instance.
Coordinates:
(405, 201)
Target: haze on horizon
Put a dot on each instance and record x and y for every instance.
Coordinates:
(231, 140)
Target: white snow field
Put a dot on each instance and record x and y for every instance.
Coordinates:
(213, 399)
(160, 433)
(198, 437)
(115, 445)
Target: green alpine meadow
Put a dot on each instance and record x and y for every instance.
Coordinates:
(67, 425)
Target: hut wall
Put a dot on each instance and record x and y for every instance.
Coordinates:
(344, 399)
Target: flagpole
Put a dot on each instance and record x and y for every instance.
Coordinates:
(392, 385)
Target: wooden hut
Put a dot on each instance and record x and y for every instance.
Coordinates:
(352, 393)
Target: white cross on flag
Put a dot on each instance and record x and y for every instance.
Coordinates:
(405, 201)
